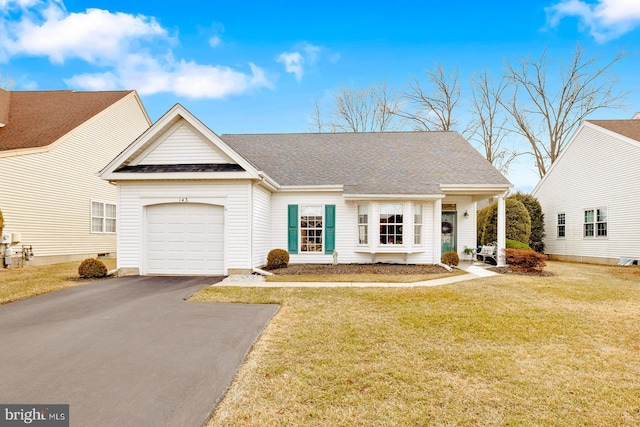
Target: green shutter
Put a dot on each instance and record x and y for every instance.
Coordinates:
(293, 229)
(329, 229)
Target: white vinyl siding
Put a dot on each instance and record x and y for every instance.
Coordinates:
(47, 196)
(234, 196)
(346, 231)
(261, 225)
(182, 145)
(570, 187)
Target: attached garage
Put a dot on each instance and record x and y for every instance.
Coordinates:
(184, 239)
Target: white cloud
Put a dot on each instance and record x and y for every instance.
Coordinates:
(150, 75)
(292, 63)
(129, 51)
(605, 19)
(304, 57)
(215, 41)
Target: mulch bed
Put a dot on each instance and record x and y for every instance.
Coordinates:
(324, 269)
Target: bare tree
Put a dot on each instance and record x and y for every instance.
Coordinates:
(545, 109)
(6, 83)
(432, 105)
(488, 129)
(373, 109)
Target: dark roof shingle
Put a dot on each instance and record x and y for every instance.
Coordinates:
(39, 118)
(368, 163)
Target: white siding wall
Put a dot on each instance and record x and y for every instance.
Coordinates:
(233, 195)
(261, 225)
(346, 230)
(597, 170)
(47, 196)
(182, 145)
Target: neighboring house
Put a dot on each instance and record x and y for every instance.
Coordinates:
(590, 195)
(191, 202)
(52, 146)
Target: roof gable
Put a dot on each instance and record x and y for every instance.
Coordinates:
(178, 143)
(402, 163)
(182, 144)
(37, 119)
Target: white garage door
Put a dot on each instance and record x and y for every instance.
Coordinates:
(185, 238)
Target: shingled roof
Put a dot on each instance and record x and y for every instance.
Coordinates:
(629, 128)
(369, 163)
(39, 118)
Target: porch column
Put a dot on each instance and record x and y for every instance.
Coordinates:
(437, 230)
(502, 230)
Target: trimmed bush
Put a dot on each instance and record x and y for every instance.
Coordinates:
(450, 258)
(277, 258)
(481, 218)
(537, 220)
(517, 222)
(513, 244)
(525, 261)
(92, 268)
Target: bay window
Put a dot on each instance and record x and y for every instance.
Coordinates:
(391, 220)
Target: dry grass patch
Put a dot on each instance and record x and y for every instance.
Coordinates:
(507, 350)
(21, 283)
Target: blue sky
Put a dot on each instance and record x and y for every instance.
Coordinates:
(254, 67)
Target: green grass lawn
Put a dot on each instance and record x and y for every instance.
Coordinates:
(507, 350)
(21, 283)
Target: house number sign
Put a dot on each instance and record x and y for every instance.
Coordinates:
(183, 199)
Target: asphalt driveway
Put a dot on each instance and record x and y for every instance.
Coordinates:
(126, 351)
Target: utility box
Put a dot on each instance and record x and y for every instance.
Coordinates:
(5, 239)
(16, 238)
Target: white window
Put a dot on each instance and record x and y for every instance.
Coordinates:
(595, 222)
(561, 225)
(363, 224)
(417, 225)
(391, 220)
(311, 228)
(103, 217)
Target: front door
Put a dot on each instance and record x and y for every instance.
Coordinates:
(449, 231)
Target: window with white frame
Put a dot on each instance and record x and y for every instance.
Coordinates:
(363, 224)
(391, 221)
(103, 217)
(417, 225)
(311, 228)
(561, 225)
(595, 222)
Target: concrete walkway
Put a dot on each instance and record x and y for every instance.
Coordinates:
(474, 270)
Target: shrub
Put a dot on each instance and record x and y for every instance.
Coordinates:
(514, 244)
(92, 268)
(1, 223)
(537, 219)
(525, 261)
(450, 258)
(517, 222)
(277, 258)
(481, 218)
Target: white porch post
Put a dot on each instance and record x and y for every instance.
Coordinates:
(437, 230)
(502, 231)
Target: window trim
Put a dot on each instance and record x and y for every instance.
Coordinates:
(563, 225)
(323, 236)
(364, 225)
(595, 223)
(103, 217)
(395, 225)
